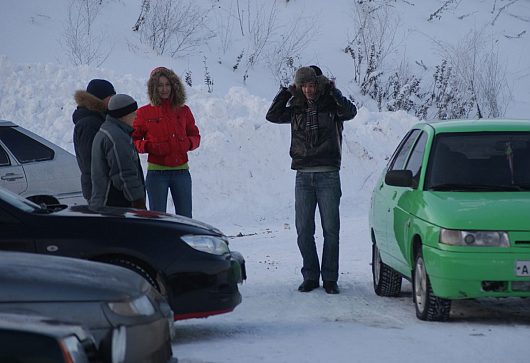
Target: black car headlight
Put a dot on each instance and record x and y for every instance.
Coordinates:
(139, 306)
(209, 244)
(474, 238)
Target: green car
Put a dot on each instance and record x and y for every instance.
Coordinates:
(451, 213)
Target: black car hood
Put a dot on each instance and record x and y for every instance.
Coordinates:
(33, 277)
(85, 211)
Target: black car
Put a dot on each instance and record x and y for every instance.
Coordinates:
(187, 261)
(29, 338)
(120, 308)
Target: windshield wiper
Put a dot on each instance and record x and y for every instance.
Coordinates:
(479, 187)
(447, 187)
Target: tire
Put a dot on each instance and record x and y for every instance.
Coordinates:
(387, 281)
(428, 306)
(45, 200)
(122, 262)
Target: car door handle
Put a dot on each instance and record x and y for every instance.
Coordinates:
(12, 177)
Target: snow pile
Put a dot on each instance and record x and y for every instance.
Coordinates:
(241, 172)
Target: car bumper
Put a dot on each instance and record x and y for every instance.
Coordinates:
(200, 294)
(70, 199)
(146, 342)
(459, 275)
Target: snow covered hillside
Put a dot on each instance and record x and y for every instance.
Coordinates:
(241, 172)
(244, 158)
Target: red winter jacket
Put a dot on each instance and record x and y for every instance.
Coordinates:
(166, 133)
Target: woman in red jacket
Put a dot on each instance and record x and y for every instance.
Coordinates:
(166, 130)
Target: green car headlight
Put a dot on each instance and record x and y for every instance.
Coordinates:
(474, 238)
(139, 306)
(209, 244)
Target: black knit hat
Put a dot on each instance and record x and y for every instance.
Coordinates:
(317, 70)
(121, 105)
(100, 88)
(304, 75)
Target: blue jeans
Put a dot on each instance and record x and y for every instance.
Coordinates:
(322, 189)
(157, 183)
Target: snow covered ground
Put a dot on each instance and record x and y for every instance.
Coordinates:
(276, 323)
(242, 184)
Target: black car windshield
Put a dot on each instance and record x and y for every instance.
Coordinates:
(17, 201)
(480, 161)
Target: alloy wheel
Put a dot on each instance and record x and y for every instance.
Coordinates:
(420, 284)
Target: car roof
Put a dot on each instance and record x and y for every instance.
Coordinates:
(41, 325)
(7, 123)
(443, 126)
(28, 277)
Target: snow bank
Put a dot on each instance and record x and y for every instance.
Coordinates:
(241, 172)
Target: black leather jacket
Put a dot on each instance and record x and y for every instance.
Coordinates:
(333, 109)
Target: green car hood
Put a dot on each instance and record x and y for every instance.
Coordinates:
(477, 211)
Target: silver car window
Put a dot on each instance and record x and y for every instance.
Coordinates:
(23, 147)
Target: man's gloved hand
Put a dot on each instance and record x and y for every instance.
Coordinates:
(138, 204)
(292, 89)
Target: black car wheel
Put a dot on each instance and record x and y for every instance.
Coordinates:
(43, 200)
(123, 262)
(387, 281)
(428, 306)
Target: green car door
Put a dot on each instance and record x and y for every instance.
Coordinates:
(403, 203)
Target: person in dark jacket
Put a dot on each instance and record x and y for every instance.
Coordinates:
(115, 161)
(316, 110)
(89, 115)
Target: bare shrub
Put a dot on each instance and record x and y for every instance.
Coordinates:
(84, 43)
(481, 73)
(144, 9)
(283, 55)
(174, 27)
(266, 40)
(447, 4)
(373, 41)
(261, 25)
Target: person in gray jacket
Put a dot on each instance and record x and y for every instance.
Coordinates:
(115, 161)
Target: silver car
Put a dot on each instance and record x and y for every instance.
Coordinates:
(36, 168)
(112, 302)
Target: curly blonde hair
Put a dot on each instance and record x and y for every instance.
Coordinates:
(178, 92)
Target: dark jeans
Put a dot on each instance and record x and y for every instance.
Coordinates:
(178, 182)
(322, 189)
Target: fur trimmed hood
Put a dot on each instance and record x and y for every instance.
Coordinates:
(178, 92)
(298, 99)
(89, 101)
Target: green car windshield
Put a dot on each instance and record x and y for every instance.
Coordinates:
(480, 161)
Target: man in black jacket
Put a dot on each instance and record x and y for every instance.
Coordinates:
(90, 114)
(316, 110)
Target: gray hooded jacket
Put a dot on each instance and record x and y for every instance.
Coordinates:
(115, 163)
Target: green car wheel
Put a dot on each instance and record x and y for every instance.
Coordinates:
(428, 306)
